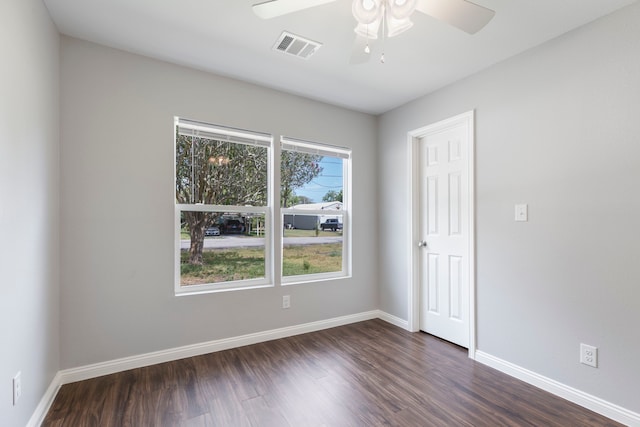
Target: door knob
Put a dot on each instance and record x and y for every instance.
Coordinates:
(422, 243)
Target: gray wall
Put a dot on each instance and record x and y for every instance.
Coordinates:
(118, 201)
(29, 191)
(558, 128)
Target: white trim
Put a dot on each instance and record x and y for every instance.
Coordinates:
(413, 299)
(276, 222)
(309, 147)
(413, 308)
(199, 207)
(571, 394)
(302, 279)
(105, 368)
(212, 288)
(347, 219)
(394, 320)
(198, 129)
(45, 403)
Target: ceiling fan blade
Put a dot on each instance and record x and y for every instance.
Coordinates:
(467, 16)
(273, 8)
(358, 55)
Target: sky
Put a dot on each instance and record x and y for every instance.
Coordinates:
(329, 179)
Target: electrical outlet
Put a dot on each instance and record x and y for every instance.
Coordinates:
(286, 301)
(589, 355)
(17, 388)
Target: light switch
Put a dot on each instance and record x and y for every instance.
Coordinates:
(522, 213)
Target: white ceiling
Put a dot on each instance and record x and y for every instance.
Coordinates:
(226, 38)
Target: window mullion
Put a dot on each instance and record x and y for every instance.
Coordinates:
(276, 217)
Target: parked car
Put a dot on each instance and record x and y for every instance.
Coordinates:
(212, 231)
(331, 224)
(233, 226)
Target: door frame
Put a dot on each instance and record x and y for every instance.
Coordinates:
(413, 138)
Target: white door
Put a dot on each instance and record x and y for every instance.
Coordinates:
(444, 224)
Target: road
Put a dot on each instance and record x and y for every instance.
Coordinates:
(222, 242)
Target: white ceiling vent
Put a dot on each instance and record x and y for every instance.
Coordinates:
(296, 45)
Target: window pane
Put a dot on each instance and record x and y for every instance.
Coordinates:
(314, 246)
(232, 247)
(220, 172)
(299, 174)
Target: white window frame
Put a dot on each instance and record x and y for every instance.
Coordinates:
(299, 145)
(240, 136)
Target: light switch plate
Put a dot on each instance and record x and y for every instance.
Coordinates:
(17, 388)
(522, 212)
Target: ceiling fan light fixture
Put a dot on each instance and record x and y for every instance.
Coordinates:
(401, 9)
(370, 13)
(368, 31)
(397, 26)
(367, 11)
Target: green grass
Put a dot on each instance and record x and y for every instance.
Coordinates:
(311, 259)
(223, 265)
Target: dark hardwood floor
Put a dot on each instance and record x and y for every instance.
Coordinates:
(365, 374)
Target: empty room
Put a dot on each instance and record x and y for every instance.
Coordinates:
(319, 212)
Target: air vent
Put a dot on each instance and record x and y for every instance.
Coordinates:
(295, 45)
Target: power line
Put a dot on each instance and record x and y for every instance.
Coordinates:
(327, 186)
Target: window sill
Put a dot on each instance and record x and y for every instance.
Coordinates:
(212, 289)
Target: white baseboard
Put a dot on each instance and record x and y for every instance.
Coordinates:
(571, 394)
(45, 403)
(139, 361)
(390, 318)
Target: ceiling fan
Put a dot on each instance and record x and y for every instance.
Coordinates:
(392, 15)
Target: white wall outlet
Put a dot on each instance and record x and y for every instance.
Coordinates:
(589, 355)
(286, 301)
(17, 388)
(522, 212)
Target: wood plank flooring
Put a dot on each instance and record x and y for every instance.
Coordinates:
(365, 374)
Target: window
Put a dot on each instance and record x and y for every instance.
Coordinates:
(225, 213)
(315, 210)
(222, 207)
